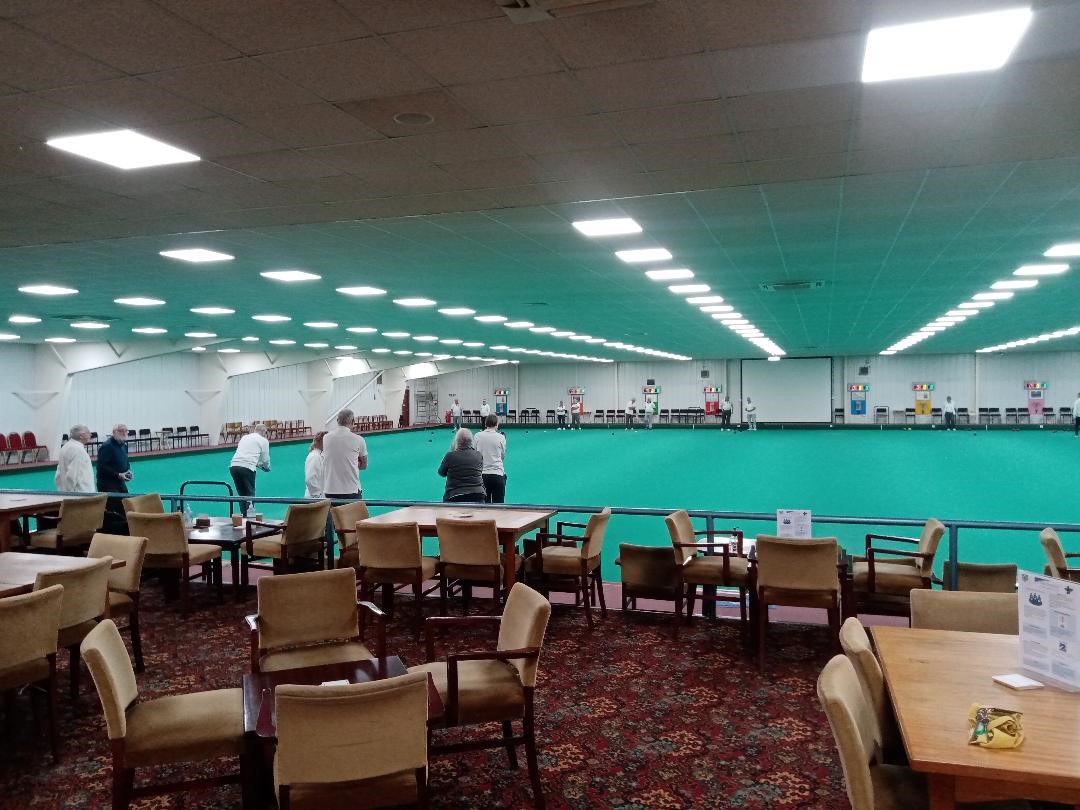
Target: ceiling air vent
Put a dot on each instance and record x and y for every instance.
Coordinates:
(791, 286)
(529, 11)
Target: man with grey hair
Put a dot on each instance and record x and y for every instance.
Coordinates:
(113, 468)
(344, 455)
(252, 453)
(74, 472)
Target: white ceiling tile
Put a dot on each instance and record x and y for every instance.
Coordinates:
(388, 16)
(234, 86)
(32, 62)
(308, 125)
(283, 164)
(562, 134)
(379, 113)
(654, 83)
(127, 102)
(683, 154)
(738, 23)
(764, 172)
(461, 145)
(669, 123)
(499, 172)
(213, 137)
(793, 107)
(789, 65)
(528, 98)
(795, 142)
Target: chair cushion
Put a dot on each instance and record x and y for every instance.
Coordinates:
(898, 788)
(894, 578)
(198, 553)
(561, 561)
(274, 548)
(186, 728)
(70, 636)
(24, 673)
(314, 655)
(709, 570)
(46, 538)
(487, 690)
(394, 790)
(399, 576)
(120, 604)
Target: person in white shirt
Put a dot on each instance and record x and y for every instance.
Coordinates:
(577, 410)
(252, 453)
(751, 414)
(492, 446)
(74, 471)
(313, 468)
(725, 412)
(455, 414)
(950, 414)
(631, 411)
(647, 412)
(485, 410)
(1076, 417)
(560, 415)
(344, 455)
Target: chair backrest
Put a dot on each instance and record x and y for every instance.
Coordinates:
(854, 728)
(801, 565)
(988, 578)
(681, 530)
(86, 591)
(595, 530)
(1055, 553)
(165, 533)
(305, 522)
(928, 543)
(388, 545)
(856, 646)
(965, 611)
(524, 623)
(29, 439)
(647, 566)
(31, 623)
(468, 542)
(107, 659)
(132, 550)
(4, 444)
(346, 517)
(308, 608)
(150, 503)
(329, 734)
(80, 518)
(15, 441)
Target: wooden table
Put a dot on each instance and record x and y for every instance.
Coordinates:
(18, 571)
(223, 534)
(17, 506)
(934, 676)
(510, 523)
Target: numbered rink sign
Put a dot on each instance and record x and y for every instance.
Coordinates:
(923, 396)
(712, 400)
(857, 393)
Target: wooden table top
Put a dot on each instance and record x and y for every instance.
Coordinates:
(19, 570)
(518, 520)
(20, 503)
(934, 676)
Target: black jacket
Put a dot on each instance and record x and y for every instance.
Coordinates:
(112, 459)
(463, 470)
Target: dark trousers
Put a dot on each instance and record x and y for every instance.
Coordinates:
(725, 418)
(562, 419)
(1076, 425)
(244, 479)
(342, 496)
(466, 497)
(950, 420)
(496, 488)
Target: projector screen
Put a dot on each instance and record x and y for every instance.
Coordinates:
(793, 390)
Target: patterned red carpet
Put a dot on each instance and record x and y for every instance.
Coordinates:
(626, 719)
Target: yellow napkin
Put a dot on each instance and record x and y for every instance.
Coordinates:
(994, 728)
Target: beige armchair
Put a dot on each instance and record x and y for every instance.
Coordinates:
(559, 564)
(301, 538)
(966, 611)
(124, 582)
(165, 731)
(710, 563)
(468, 555)
(28, 643)
(389, 554)
(798, 573)
(647, 572)
(311, 619)
(883, 581)
(167, 548)
(984, 577)
(149, 503)
(494, 686)
(79, 519)
(355, 745)
(1057, 561)
(345, 519)
(85, 603)
(856, 646)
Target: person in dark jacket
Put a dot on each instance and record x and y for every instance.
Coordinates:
(463, 469)
(113, 474)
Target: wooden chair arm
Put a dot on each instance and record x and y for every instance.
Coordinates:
(266, 525)
(452, 662)
(380, 628)
(891, 537)
(915, 555)
(560, 523)
(1072, 554)
(559, 539)
(433, 623)
(252, 623)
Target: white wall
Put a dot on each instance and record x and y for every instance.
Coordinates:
(19, 405)
(274, 393)
(891, 378)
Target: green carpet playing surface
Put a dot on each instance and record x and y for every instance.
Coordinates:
(969, 475)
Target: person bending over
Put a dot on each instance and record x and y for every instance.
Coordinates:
(463, 469)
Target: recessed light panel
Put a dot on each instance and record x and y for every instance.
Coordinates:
(197, 255)
(199, 335)
(1015, 284)
(644, 255)
(8, 336)
(1063, 250)
(271, 318)
(250, 339)
(47, 289)
(976, 304)
(472, 344)
(457, 311)
(706, 299)
(290, 275)
(123, 149)
(320, 324)
(361, 291)
(607, 227)
(345, 348)
(88, 325)
(228, 351)
(149, 330)
(992, 296)
(59, 340)
(714, 308)
(489, 318)
(283, 342)
(682, 289)
(139, 301)
(415, 302)
(967, 44)
(672, 274)
(361, 330)
(518, 324)
(1042, 269)
(395, 334)
(317, 345)
(212, 310)
(24, 319)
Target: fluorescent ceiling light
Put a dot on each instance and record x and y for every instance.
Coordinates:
(423, 354)
(976, 304)
(967, 44)
(123, 149)
(426, 338)
(594, 340)
(562, 333)
(321, 324)
(706, 299)
(712, 308)
(361, 330)
(199, 335)
(139, 301)
(644, 255)
(228, 351)
(88, 325)
(472, 344)
(359, 291)
(8, 336)
(1042, 269)
(735, 322)
(962, 313)
(773, 358)
(489, 318)
(149, 330)
(457, 311)
(415, 302)
(1063, 250)
(607, 227)
(196, 255)
(283, 342)
(198, 348)
(541, 329)
(519, 324)
(59, 340)
(23, 319)
(682, 289)
(670, 275)
(992, 296)
(317, 345)
(727, 316)
(1015, 284)
(952, 318)
(250, 339)
(451, 341)
(395, 334)
(403, 351)
(290, 275)
(47, 289)
(345, 348)
(381, 351)
(213, 310)
(271, 318)
(580, 337)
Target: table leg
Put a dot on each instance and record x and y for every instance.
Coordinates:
(234, 566)
(5, 533)
(847, 596)
(942, 790)
(509, 546)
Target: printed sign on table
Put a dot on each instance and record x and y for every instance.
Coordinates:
(793, 523)
(1049, 640)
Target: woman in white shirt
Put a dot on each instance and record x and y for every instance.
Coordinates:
(313, 468)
